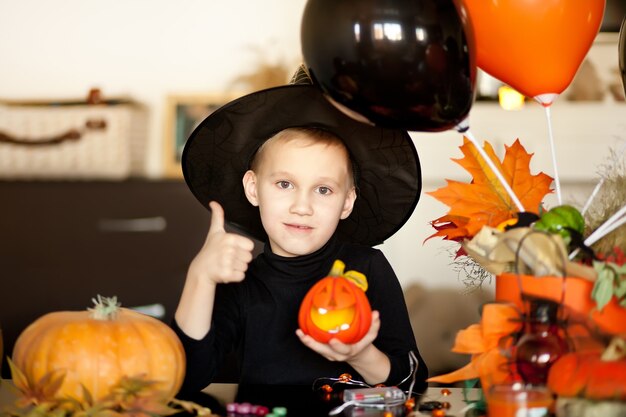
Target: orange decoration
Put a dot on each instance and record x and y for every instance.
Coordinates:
(327, 388)
(335, 307)
(445, 392)
(611, 319)
(484, 201)
(410, 403)
(573, 373)
(345, 377)
(96, 349)
(483, 342)
(591, 375)
(438, 412)
(535, 46)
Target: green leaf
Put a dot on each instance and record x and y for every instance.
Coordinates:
(620, 289)
(602, 291)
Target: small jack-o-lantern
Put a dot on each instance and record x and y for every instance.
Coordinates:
(336, 307)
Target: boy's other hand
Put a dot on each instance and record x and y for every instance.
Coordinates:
(224, 257)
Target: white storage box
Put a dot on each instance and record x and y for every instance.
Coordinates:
(71, 140)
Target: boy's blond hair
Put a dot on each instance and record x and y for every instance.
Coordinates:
(310, 134)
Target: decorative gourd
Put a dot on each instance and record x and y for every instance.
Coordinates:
(95, 348)
(563, 220)
(337, 307)
(591, 375)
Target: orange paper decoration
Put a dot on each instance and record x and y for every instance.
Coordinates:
(577, 296)
(484, 342)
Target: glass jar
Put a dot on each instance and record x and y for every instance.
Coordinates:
(541, 343)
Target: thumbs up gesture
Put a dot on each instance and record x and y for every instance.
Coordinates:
(224, 257)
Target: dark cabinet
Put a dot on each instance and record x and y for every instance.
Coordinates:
(63, 243)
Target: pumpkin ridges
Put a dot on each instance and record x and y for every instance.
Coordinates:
(77, 348)
(44, 339)
(142, 333)
(585, 374)
(567, 375)
(25, 346)
(128, 330)
(365, 314)
(97, 353)
(321, 294)
(606, 382)
(304, 313)
(160, 362)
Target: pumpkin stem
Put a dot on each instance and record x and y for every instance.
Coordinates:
(105, 308)
(616, 350)
(355, 277)
(337, 269)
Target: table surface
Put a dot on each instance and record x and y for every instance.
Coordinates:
(302, 401)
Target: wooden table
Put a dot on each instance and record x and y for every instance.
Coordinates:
(296, 399)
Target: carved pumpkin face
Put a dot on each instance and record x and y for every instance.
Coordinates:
(335, 307)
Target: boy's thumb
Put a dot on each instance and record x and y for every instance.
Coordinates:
(217, 217)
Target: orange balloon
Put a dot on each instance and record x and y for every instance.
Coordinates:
(535, 46)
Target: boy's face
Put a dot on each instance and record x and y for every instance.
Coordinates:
(302, 189)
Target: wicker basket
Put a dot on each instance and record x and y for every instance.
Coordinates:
(71, 140)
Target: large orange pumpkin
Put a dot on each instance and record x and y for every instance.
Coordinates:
(96, 348)
(591, 374)
(337, 307)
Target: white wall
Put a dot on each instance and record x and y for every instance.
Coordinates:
(148, 49)
(145, 49)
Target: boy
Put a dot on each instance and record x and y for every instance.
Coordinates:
(316, 187)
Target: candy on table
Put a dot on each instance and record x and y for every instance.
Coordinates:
(247, 409)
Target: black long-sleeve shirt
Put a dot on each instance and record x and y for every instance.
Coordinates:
(258, 318)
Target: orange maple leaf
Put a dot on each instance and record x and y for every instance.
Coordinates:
(484, 201)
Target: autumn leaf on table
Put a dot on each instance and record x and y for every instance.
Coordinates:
(484, 201)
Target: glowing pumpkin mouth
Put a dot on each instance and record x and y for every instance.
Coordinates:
(332, 321)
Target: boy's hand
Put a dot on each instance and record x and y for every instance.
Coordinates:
(335, 350)
(372, 364)
(224, 257)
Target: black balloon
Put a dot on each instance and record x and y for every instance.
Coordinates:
(405, 64)
(621, 51)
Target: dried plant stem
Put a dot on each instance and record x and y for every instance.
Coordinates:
(596, 189)
(615, 221)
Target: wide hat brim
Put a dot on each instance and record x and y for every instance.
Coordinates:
(219, 150)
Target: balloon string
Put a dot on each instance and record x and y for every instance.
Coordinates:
(496, 171)
(552, 147)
